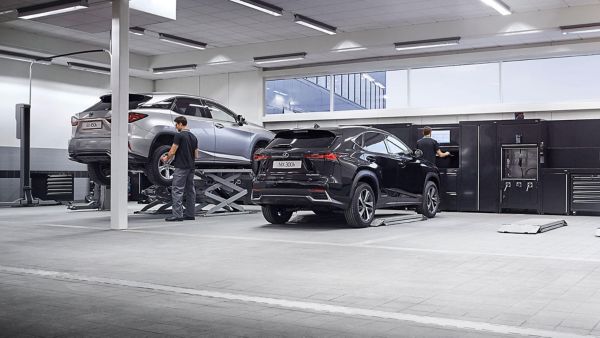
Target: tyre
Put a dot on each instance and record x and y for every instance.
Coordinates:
(99, 172)
(276, 215)
(431, 200)
(361, 211)
(157, 171)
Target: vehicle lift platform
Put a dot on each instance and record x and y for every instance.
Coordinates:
(220, 187)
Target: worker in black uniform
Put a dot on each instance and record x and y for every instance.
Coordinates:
(185, 146)
(430, 147)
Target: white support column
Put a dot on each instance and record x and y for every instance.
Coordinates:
(119, 84)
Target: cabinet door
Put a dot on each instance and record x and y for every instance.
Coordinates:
(554, 193)
(469, 148)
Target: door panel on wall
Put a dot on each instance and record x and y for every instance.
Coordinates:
(469, 147)
(489, 163)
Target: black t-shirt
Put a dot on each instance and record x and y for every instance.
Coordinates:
(429, 147)
(186, 152)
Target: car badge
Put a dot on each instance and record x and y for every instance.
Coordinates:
(286, 155)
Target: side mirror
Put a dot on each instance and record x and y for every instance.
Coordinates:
(418, 153)
(241, 120)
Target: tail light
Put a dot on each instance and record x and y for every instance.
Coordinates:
(136, 117)
(327, 156)
(261, 157)
(74, 121)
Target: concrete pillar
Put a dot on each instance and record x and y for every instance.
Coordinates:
(119, 84)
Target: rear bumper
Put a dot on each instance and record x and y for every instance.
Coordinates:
(299, 195)
(88, 150)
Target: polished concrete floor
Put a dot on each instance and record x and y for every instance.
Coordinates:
(65, 274)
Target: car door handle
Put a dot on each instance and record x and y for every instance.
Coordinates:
(371, 158)
(218, 125)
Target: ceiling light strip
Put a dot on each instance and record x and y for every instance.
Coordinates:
(314, 24)
(181, 41)
(174, 69)
(88, 68)
(581, 29)
(499, 6)
(279, 58)
(431, 43)
(261, 6)
(51, 8)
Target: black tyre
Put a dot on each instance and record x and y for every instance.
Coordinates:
(158, 172)
(276, 215)
(431, 200)
(361, 211)
(99, 172)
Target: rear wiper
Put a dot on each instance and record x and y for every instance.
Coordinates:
(283, 145)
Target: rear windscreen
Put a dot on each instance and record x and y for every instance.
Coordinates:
(105, 102)
(303, 139)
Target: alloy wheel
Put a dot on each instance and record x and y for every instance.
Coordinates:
(365, 205)
(433, 199)
(166, 169)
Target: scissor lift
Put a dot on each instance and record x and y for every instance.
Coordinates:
(223, 188)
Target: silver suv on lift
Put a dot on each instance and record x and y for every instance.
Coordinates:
(225, 139)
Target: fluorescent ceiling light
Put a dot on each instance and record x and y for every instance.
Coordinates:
(181, 41)
(218, 63)
(17, 56)
(431, 43)
(499, 6)
(314, 24)
(88, 68)
(350, 49)
(137, 30)
(581, 29)
(279, 58)
(280, 93)
(174, 69)
(261, 6)
(51, 8)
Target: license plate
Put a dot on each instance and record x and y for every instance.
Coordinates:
(91, 125)
(287, 164)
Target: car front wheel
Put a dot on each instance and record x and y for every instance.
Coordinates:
(361, 211)
(99, 172)
(431, 200)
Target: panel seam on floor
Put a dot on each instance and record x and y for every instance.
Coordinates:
(299, 305)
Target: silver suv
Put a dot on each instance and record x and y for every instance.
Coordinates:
(225, 139)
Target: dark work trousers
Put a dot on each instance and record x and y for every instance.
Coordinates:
(183, 187)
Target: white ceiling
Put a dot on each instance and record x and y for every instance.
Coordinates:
(222, 23)
(228, 26)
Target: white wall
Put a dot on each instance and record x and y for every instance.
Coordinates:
(57, 94)
(241, 92)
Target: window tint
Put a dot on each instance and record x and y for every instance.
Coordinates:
(188, 106)
(219, 112)
(396, 146)
(303, 139)
(164, 104)
(375, 142)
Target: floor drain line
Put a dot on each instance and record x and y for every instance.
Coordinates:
(299, 305)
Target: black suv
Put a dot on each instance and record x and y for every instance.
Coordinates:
(354, 170)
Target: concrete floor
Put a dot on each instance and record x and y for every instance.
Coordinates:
(64, 274)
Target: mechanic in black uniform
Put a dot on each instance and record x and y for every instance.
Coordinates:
(185, 146)
(430, 147)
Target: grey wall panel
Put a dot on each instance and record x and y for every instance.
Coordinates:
(42, 159)
(81, 188)
(9, 189)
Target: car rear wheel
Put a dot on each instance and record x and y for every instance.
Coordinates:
(157, 171)
(99, 172)
(276, 215)
(361, 211)
(431, 200)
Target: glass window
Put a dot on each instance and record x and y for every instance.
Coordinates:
(298, 95)
(375, 142)
(395, 146)
(351, 87)
(188, 106)
(219, 112)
